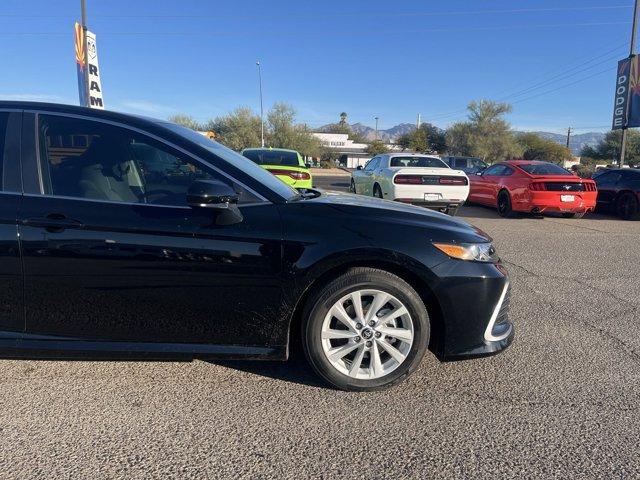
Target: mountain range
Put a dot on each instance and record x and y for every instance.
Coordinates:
(390, 135)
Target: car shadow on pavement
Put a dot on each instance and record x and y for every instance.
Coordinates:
(294, 370)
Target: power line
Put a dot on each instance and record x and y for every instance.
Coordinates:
(343, 15)
(287, 33)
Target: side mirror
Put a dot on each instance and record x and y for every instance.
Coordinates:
(215, 195)
(359, 167)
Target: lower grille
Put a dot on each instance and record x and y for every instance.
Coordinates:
(503, 314)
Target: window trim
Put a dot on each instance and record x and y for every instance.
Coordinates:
(37, 113)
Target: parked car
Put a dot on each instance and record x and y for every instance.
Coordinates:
(532, 187)
(412, 178)
(619, 192)
(287, 165)
(99, 261)
(469, 165)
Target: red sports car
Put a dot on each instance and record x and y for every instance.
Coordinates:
(532, 187)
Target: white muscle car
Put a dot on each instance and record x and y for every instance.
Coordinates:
(412, 178)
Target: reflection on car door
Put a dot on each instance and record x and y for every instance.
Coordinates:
(112, 251)
(368, 176)
(11, 298)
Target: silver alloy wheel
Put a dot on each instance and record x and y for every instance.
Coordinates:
(367, 334)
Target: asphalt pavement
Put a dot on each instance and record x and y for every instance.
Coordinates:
(562, 402)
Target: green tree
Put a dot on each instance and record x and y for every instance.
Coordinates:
(284, 133)
(377, 147)
(238, 130)
(186, 121)
(426, 139)
(486, 134)
(343, 118)
(534, 147)
(608, 149)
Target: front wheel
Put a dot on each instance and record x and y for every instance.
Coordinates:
(573, 215)
(366, 330)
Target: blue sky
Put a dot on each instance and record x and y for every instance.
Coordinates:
(368, 58)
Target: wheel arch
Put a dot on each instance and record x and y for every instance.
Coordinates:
(436, 318)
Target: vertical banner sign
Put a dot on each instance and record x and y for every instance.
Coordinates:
(95, 86)
(626, 104)
(81, 62)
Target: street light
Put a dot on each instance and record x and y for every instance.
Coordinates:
(261, 107)
(376, 118)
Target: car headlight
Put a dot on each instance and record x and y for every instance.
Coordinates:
(479, 252)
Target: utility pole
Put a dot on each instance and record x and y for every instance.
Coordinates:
(376, 118)
(568, 136)
(632, 49)
(83, 19)
(419, 122)
(261, 105)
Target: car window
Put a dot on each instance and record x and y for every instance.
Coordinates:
(4, 117)
(494, 170)
(506, 171)
(459, 163)
(608, 177)
(273, 157)
(372, 164)
(544, 169)
(93, 160)
(425, 162)
(630, 176)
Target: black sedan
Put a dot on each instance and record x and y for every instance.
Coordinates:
(619, 192)
(123, 237)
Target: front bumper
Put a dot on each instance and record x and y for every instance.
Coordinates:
(474, 301)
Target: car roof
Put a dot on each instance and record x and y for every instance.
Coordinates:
(526, 162)
(77, 110)
(269, 149)
(413, 154)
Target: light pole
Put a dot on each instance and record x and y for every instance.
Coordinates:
(632, 48)
(83, 17)
(261, 105)
(376, 118)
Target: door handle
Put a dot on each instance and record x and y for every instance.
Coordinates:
(54, 222)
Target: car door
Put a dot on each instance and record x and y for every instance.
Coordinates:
(607, 184)
(113, 252)
(11, 292)
(483, 186)
(367, 177)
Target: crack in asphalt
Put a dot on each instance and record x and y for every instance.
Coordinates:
(608, 335)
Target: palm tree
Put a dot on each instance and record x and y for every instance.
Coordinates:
(343, 118)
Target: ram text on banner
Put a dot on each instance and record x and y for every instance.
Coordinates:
(95, 86)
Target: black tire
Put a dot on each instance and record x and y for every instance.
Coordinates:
(360, 278)
(573, 215)
(627, 206)
(377, 191)
(504, 204)
(451, 211)
(352, 186)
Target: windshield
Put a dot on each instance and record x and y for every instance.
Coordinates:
(428, 162)
(283, 158)
(543, 169)
(235, 159)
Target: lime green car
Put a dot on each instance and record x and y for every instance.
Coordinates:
(287, 165)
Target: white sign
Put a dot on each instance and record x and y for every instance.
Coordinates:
(95, 87)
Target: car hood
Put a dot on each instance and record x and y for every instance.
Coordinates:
(396, 212)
